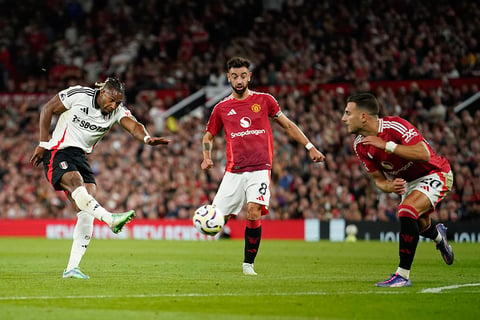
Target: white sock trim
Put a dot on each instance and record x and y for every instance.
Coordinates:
(403, 272)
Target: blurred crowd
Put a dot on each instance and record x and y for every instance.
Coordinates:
(49, 45)
(46, 45)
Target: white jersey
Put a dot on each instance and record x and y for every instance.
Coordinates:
(82, 125)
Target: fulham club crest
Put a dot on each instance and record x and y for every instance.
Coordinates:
(63, 165)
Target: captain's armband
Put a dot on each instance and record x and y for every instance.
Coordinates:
(277, 115)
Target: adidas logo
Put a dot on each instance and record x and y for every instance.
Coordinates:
(261, 198)
(231, 113)
(85, 110)
(425, 188)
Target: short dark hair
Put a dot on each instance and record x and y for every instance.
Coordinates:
(366, 101)
(238, 62)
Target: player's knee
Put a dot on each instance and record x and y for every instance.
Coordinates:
(71, 180)
(254, 211)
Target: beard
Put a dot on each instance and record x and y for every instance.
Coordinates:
(240, 91)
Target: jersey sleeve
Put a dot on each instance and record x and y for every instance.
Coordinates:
(214, 122)
(123, 111)
(273, 107)
(67, 96)
(361, 152)
(409, 135)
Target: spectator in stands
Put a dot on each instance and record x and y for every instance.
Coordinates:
(316, 54)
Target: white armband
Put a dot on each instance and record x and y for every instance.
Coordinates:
(390, 146)
(309, 146)
(146, 138)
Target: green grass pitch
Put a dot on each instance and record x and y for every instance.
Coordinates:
(135, 279)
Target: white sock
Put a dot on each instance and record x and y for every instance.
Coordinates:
(87, 203)
(438, 238)
(82, 233)
(403, 272)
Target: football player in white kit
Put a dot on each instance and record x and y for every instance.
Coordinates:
(85, 115)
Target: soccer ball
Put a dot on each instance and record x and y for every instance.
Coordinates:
(208, 220)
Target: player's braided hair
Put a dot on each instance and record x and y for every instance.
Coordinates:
(112, 84)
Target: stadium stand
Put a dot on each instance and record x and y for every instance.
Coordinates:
(421, 63)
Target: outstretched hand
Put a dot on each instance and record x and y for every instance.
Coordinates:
(153, 141)
(316, 155)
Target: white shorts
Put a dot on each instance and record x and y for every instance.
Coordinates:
(435, 186)
(236, 189)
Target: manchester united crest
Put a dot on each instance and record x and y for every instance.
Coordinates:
(256, 108)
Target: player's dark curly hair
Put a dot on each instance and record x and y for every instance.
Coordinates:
(112, 84)
(366, 101)
(238, 62)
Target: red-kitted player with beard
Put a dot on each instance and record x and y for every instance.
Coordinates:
(244, 116)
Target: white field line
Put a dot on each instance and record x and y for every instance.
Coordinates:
(383, 291)
(456, 286)
(312, 293)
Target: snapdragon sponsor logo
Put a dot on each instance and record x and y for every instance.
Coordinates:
(247, 133)
(404, 168)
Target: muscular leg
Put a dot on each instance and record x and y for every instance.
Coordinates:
(428, 230)
(424, 222)
(82, 197)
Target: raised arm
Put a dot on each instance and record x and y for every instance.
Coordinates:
(139, 132)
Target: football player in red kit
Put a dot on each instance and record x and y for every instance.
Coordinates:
(399, 160)
(244, 116)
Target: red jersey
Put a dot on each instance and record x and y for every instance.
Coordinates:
(248, 133)
(403, 132)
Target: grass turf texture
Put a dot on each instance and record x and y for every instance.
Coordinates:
(134, 279)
